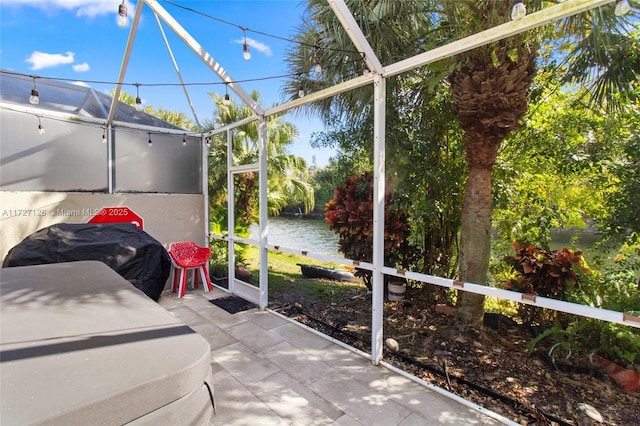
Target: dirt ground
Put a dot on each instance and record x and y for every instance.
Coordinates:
(491, 367)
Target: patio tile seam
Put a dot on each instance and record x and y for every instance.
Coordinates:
(302, 385)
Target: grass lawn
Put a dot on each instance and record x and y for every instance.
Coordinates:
(288, 285)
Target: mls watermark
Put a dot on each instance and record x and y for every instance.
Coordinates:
(49, 212)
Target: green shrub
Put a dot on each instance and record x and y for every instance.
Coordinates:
(617, 342)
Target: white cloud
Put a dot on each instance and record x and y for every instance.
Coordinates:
(88, 8)
(81, 67)
(256, 46)
(40, 60)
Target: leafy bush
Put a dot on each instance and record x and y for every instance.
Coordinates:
(350, 215)
(544, 272)
(580, 336)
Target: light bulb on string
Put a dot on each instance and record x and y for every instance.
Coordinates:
(104, 135)
(34, 99)
(184, 140)
(227, 99)
(150, 143)
(518, 10)
(622, 7)
(301, 87)
(245, 47)
(138, 100)
(122, 19)
(40, 127)
(365, 67)
(317, 68)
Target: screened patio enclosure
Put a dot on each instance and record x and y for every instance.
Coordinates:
(62, 162)
(376, 78)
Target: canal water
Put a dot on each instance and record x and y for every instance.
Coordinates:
(302, 233)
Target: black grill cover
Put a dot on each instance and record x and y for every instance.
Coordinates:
(131, 252)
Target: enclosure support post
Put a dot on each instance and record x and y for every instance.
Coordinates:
(264, 224)
(205, 191)
(377, 302)
(111, 173)
(231, 220)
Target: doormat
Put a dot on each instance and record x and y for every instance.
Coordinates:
(233, 304)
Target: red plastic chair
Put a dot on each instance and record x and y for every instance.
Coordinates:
(187, 255)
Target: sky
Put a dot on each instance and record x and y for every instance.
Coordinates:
(81, 41)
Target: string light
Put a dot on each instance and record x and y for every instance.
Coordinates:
(40, 127)
(123, 21)
(34, 99)
(104, 135)
(184, 140)
(300, 87)
(192, 84)
(150, 143)
(138, 100)
(245, 48)
(317, 68)
(518, 10)
(622, 7)
(227, 99)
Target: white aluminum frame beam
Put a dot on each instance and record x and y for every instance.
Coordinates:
(125, 62)
(263, 208)
(175, 66)
(508, 29)
(232, 126)
(205, 191)
(356, 35)
(231, 222)
(377, 299)
(345, 86)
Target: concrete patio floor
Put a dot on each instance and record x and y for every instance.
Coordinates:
(271, 371)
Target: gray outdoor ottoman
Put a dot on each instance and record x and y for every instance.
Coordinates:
(79, 345)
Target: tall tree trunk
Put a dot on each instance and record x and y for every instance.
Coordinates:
(490, 96)
(475, 238)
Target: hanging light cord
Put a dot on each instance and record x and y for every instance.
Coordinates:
(243, 28)
(207, 83)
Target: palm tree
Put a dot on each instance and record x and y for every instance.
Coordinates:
(176, 118)
(287, 174)
(489, 85)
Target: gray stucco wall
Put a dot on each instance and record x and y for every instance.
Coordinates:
(167, 217)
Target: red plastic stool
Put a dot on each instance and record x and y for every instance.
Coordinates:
(187, 255)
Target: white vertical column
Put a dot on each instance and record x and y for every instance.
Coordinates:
(264, 224)
(231, 219)
(205, 189)
(377, 308)
(111, 169)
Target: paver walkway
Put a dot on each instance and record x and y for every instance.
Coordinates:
(271, 371)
